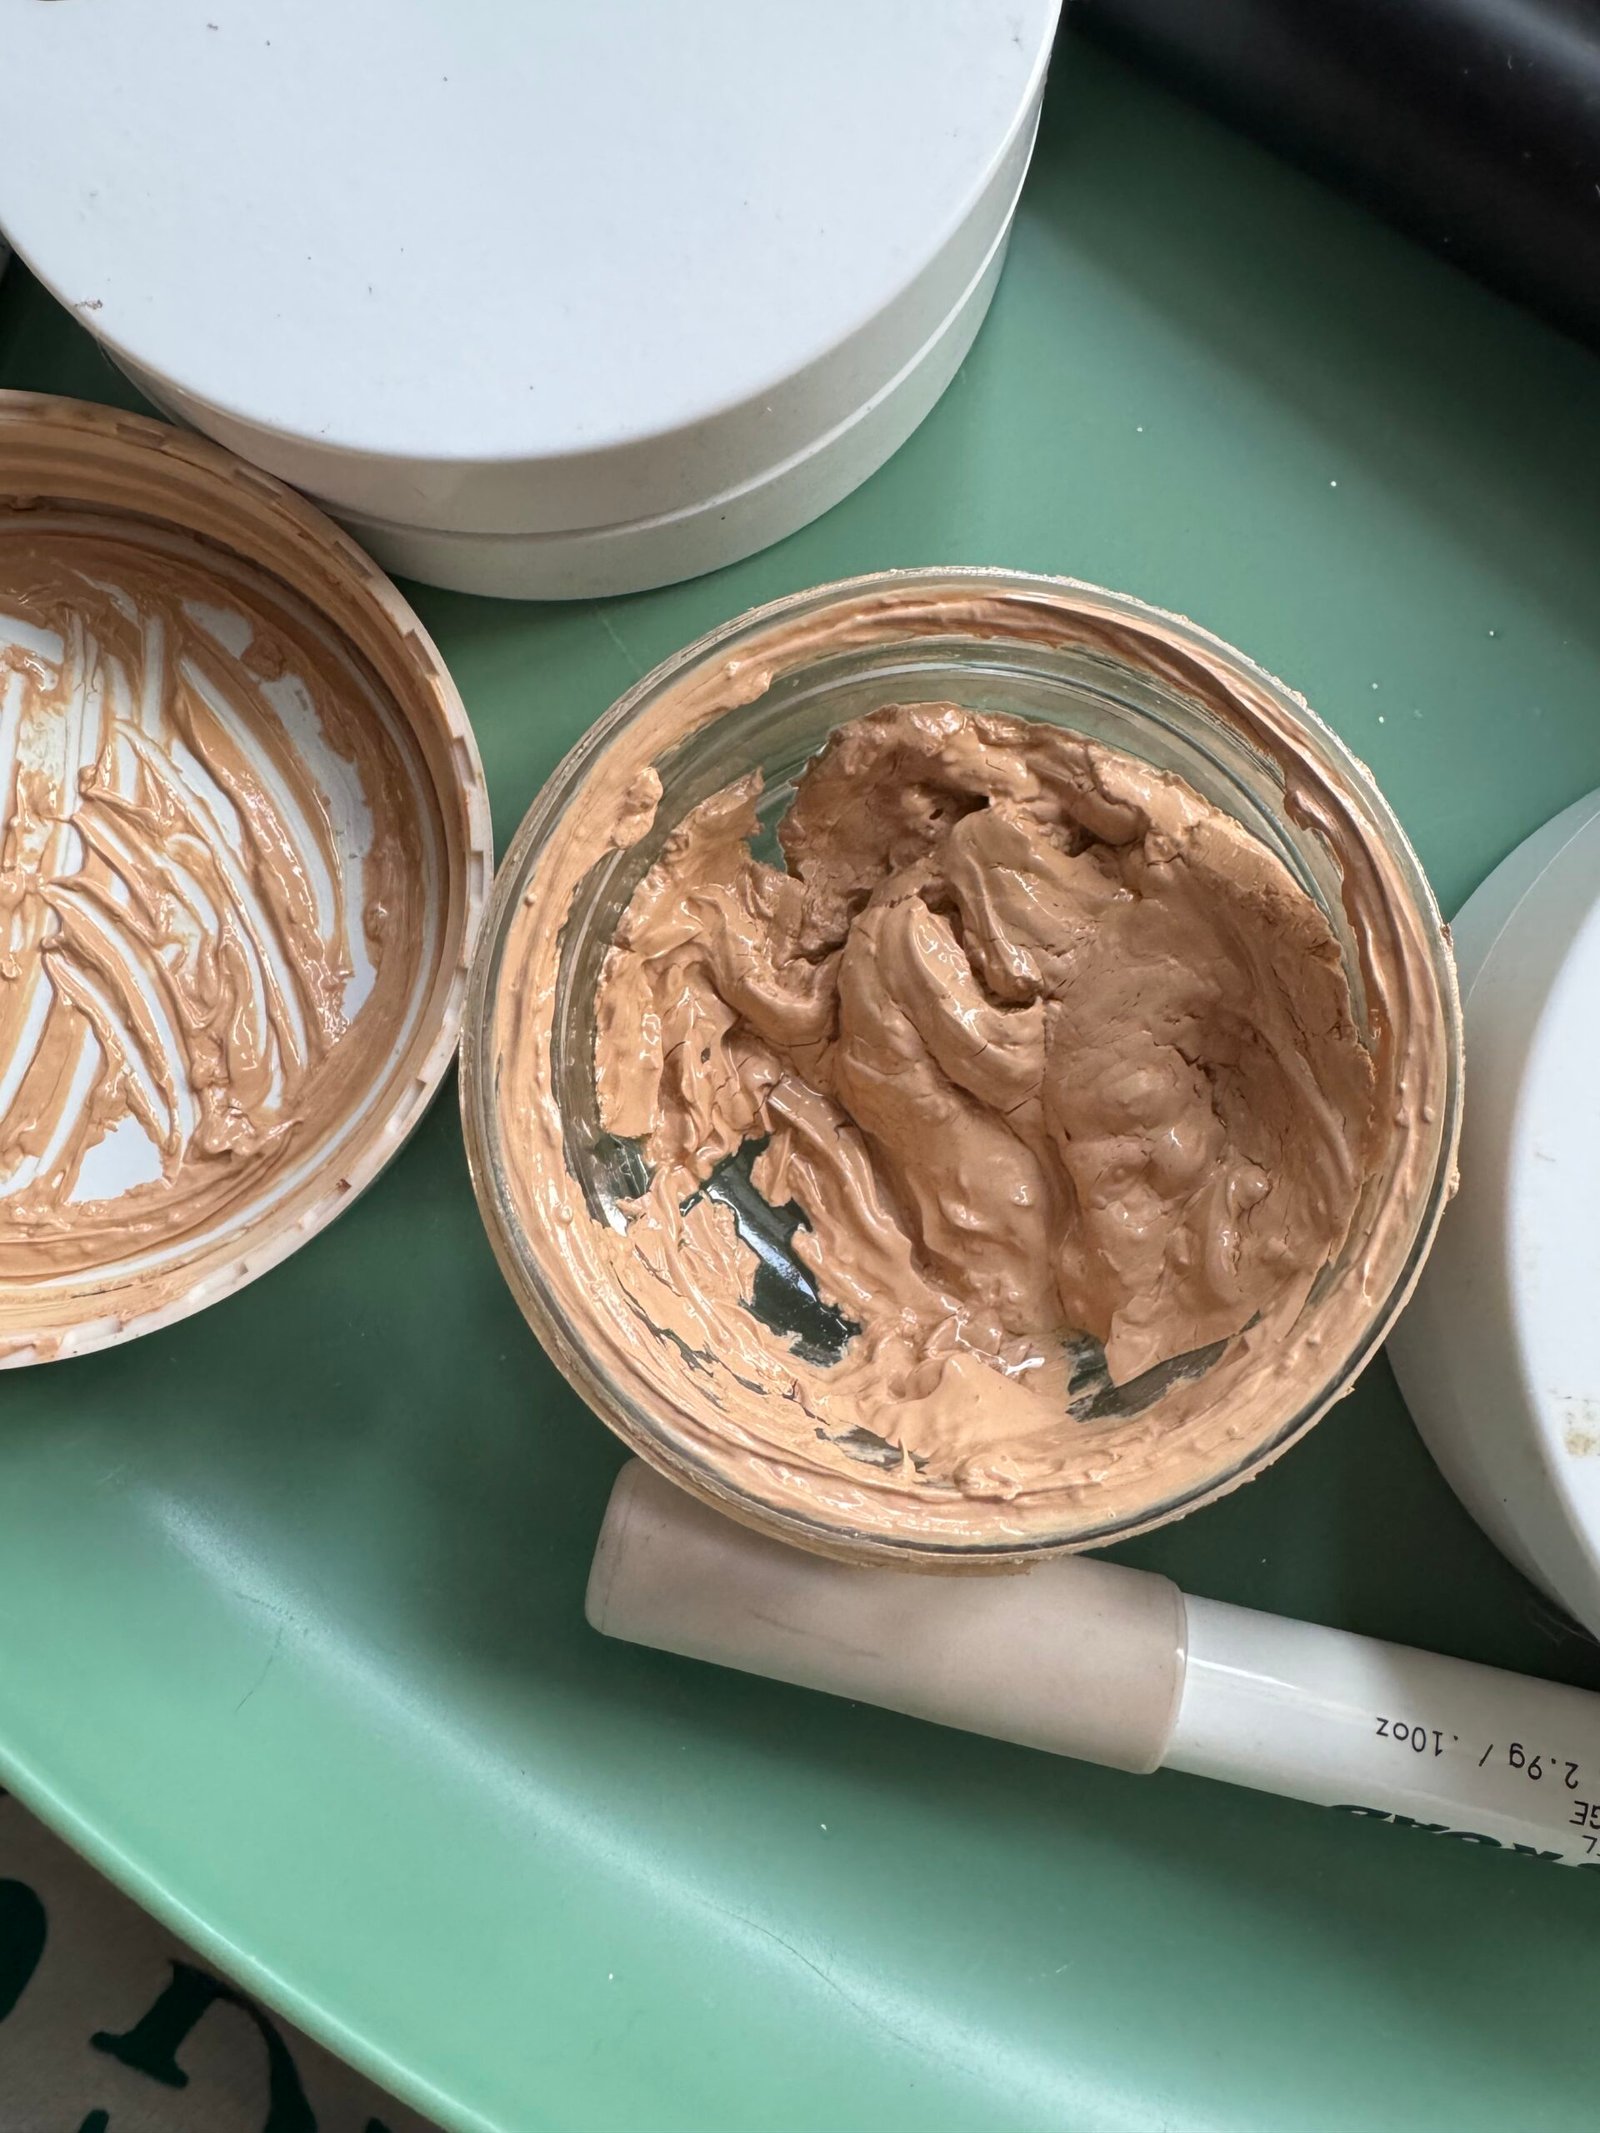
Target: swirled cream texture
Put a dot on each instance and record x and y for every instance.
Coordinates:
(212, 894)
(1041, 1044)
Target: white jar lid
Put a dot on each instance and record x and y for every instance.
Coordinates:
(491, 269)
(1498, 1353)
(255, 851)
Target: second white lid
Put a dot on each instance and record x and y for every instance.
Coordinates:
(1498, 1353)
(510, 268)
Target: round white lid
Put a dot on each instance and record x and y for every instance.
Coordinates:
(1498, 1353)
(638, 248)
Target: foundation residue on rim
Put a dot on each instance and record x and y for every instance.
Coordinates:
(218, 901)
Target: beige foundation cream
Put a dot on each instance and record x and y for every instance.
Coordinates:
(963, 1065)
(244, 857)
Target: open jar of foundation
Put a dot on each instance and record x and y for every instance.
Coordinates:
(702, 1322)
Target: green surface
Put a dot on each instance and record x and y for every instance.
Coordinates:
(290, 1598)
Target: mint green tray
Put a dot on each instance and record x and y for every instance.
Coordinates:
(291, 1633)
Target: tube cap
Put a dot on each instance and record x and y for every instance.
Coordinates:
(1079, 1657)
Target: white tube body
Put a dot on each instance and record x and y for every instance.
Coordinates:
(1462, 1751)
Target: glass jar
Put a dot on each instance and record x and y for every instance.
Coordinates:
(764, 692)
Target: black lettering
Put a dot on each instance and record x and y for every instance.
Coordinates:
(1429, 1829)
(1383, 1729)
(1370, 1814)
(1532, 1851)
(22, 1935)
(1468, 1836)
(151, 2046)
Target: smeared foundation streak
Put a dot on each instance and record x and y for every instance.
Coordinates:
(194, 978)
